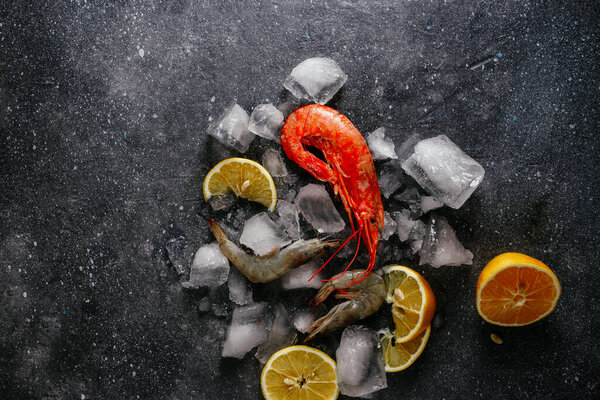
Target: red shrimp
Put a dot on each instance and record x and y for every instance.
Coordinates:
(349, 168)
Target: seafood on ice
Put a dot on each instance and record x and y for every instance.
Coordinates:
(363, 297)
(266, 268)
(348, 167)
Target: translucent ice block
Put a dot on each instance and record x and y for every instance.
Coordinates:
(444, 170)
(316, 205)
(316, 79)
(231, 128)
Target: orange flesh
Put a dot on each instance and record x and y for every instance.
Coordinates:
(518, 295)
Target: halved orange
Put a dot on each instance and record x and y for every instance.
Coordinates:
(413, 301)
(515, 290)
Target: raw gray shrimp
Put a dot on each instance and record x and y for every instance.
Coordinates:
(364, 298)
(273, 265)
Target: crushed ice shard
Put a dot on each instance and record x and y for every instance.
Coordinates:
(441, 246)
(240, 291)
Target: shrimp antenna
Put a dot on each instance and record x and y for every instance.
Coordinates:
(333, 255)
(349, 264)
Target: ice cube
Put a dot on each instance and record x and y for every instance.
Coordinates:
(360, 364)
(381, 147)
(262, 235)
(240, 291)
(222, 201)
(204, 304)
(289, 219)
(248, 329)
(412, 199)
(409, 196)
(405, 224)
(444, 170)
(209, 267)
(303, 319)
(390, 179)
(389, 226)
(266, 121)
(176, 250)
(441, 246)
(316, 79)
(273, 163)
(281, 335)
(429, 203)
(417, 235)
(316, 206)
(299, 277)
(231, 128)
(407, 147)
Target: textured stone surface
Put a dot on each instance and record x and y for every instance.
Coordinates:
(103, 148)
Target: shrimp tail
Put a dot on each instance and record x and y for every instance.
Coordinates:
(217, 231)
(321, 295)
(334, 319)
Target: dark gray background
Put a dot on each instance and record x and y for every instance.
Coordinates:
(103, 153)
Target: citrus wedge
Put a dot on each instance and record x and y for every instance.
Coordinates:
(245, 178)
(413, 301)
(515, 290)
(399, 356)
(299, 372)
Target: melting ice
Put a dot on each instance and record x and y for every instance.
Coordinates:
(248, 329)
(266, 121)
(381, 147)
(209, 267)
(299, 277)
(262, 235)
(281, 335)
(231, 128)
(316, 205)
(441, 246)
(273, 163)
(360, 364)
(316, 79)
(444, 170)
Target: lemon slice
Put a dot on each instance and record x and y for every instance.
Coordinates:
(399, 356)
(245, 178)
(299, 372)
(413, 301)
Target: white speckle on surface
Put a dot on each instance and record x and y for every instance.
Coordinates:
(212, 99)
(24, 294)
(141, 52)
